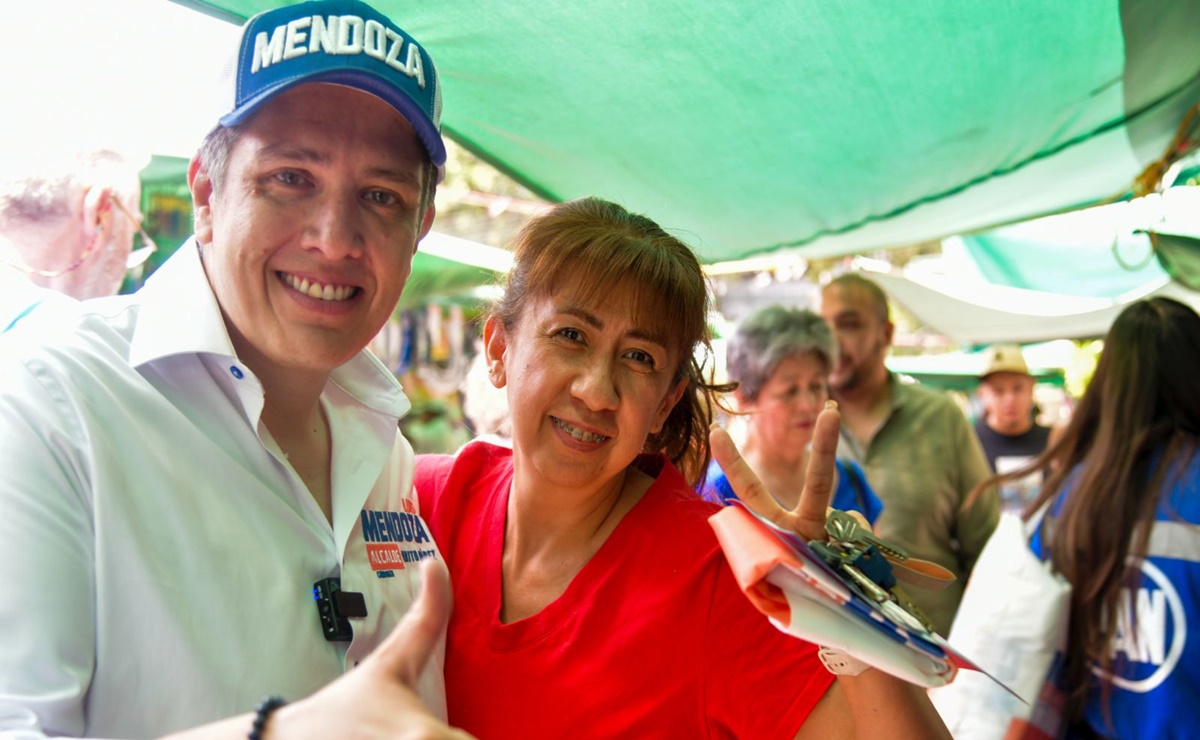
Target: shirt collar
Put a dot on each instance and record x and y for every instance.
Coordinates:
(180, 315)
(901, 391)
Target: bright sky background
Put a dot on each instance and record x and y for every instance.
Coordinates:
(134, 75)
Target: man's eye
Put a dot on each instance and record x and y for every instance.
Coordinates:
(573, 334)
(382, 197)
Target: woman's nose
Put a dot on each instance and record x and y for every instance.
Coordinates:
(813, 400)
(596, 386)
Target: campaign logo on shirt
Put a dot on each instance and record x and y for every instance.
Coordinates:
(394, 539)
(1149, 646)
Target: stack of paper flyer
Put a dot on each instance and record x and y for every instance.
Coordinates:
(807, 598)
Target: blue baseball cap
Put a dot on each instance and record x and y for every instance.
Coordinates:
(344, 42)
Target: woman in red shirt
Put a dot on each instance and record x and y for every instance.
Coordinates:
(591, 598)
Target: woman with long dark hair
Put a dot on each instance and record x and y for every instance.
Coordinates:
(1124, 504)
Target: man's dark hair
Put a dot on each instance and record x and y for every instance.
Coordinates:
(878, 298)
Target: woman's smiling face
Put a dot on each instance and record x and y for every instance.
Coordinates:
(587, 384)
(785, 412)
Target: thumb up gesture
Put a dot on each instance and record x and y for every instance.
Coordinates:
(378, 698)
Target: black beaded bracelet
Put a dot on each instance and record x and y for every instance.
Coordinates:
(262, 713)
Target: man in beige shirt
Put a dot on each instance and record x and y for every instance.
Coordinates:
(914, 443)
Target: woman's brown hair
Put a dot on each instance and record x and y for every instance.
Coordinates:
(598, 246)
(1136, 424)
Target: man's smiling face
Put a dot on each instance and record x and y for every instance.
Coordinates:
(309, 238)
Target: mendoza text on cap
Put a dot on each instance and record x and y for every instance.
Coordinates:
(345, 42)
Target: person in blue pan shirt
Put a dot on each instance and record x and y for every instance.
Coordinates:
(1124, 528)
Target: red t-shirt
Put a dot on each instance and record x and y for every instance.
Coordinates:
(651, 639)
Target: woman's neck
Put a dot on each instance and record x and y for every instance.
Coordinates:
(550, 536)
(783, 475)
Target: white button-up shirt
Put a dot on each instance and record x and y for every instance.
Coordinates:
(157, 551)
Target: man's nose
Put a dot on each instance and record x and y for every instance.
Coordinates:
(336, 226)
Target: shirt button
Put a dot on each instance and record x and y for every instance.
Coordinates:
(236, 372)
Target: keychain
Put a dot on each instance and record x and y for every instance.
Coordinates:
(873, 566)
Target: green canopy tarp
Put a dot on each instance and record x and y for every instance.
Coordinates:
(1179, 257)
(835, 127)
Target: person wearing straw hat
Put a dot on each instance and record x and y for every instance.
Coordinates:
(1007, 428)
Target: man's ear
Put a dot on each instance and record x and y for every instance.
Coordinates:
(427, 221)
(201, 186)
(97, 210)
(889, 329)
(494, 345)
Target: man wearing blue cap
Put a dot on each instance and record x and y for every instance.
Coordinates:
(206, 502)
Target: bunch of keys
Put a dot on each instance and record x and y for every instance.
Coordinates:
(866, 561)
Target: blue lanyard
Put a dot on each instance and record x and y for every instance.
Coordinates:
(25, 312)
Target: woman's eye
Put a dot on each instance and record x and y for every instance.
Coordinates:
(638, 355)
(573, 334)
(288, 177)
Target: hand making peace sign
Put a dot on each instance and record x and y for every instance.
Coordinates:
(808, 518)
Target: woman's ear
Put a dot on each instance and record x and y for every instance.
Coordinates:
(494, 345)
(668, 404)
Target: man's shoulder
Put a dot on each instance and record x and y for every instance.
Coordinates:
(1040, 433)
(908, 391)
(72, 329)
(983, 431)
(21, 298)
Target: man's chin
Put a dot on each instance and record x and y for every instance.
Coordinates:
(1012, 427)
(837, 384)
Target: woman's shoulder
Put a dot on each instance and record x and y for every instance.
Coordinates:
(474, 453)
(1181, 491)
(671, 499)
(475, 462)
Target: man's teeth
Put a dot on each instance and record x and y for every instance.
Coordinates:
(579, 434)
(318, 291)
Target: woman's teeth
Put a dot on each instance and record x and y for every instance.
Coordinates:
(578, 434)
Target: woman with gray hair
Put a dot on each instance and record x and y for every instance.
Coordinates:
(780, 358)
